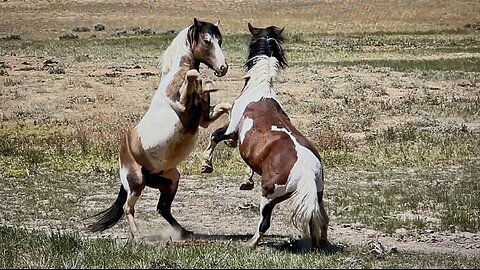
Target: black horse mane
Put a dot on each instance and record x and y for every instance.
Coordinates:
(266, 42)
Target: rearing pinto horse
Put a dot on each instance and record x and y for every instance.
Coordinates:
(151, 151)
(289, 165)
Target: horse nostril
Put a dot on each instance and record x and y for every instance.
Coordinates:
(224, 68)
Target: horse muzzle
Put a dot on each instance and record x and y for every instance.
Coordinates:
(221, 71)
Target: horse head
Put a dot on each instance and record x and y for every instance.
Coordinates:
(206, 43)
(266, 41)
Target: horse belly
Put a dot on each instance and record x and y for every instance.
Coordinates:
(164, 139)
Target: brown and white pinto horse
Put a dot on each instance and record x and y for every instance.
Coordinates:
(151, 151)
(288, 163)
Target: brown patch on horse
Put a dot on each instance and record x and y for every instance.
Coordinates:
(269, 153)
(186, 63)
(137, 150)
(128, 162)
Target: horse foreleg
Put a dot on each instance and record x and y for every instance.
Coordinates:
(207, 154)
(192, 83)
(213, 112)
(168, 190)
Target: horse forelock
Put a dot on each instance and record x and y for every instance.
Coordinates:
(205, 28)
(267, 42)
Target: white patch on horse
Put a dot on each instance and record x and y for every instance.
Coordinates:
(219, 56)
(207, 37)
(259, 86)
(124, 180)
(247, 125)
(306, 162)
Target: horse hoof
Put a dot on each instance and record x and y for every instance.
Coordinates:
(231, 143)
(246, 186)
(250, 244)
(192, 74)
(207, 168)
(185, 234)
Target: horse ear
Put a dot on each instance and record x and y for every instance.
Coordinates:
(196, 23)
(251, 28)
(281, 30)
(217, 23)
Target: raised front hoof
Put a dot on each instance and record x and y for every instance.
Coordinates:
(207, 168)
(231, 143)
(247, 186)
(192, 74)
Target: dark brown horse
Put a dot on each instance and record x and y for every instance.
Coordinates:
(289, 165)
(151, 151)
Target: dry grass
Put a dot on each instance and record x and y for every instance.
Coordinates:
(386, 90)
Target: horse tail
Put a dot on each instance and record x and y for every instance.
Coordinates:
(305, 203)
(111, 215)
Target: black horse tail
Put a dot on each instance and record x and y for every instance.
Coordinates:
(111, 215)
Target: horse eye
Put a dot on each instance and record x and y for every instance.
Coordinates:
(207, 41)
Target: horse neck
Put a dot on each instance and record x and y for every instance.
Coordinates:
(172, 57)
(260, 78)
(178, 56)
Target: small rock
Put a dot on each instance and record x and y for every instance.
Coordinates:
(402, 232)
(56, 70)
(81, 29)
(11, 36)
(143, 31)
(99, 27)
(69, 36)
(371, 233)
(468, 235)
(120, 33)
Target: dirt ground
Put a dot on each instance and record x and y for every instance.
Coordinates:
(213, 207)
(216, 210)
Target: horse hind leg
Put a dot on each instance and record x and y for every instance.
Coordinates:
(266, 208)
(168, 190)
(319, 226)
(133, 183)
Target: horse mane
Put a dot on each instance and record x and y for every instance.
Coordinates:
(179, 47)
(269, 43)
(265, 69)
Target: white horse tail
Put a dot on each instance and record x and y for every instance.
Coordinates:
(305, 205)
